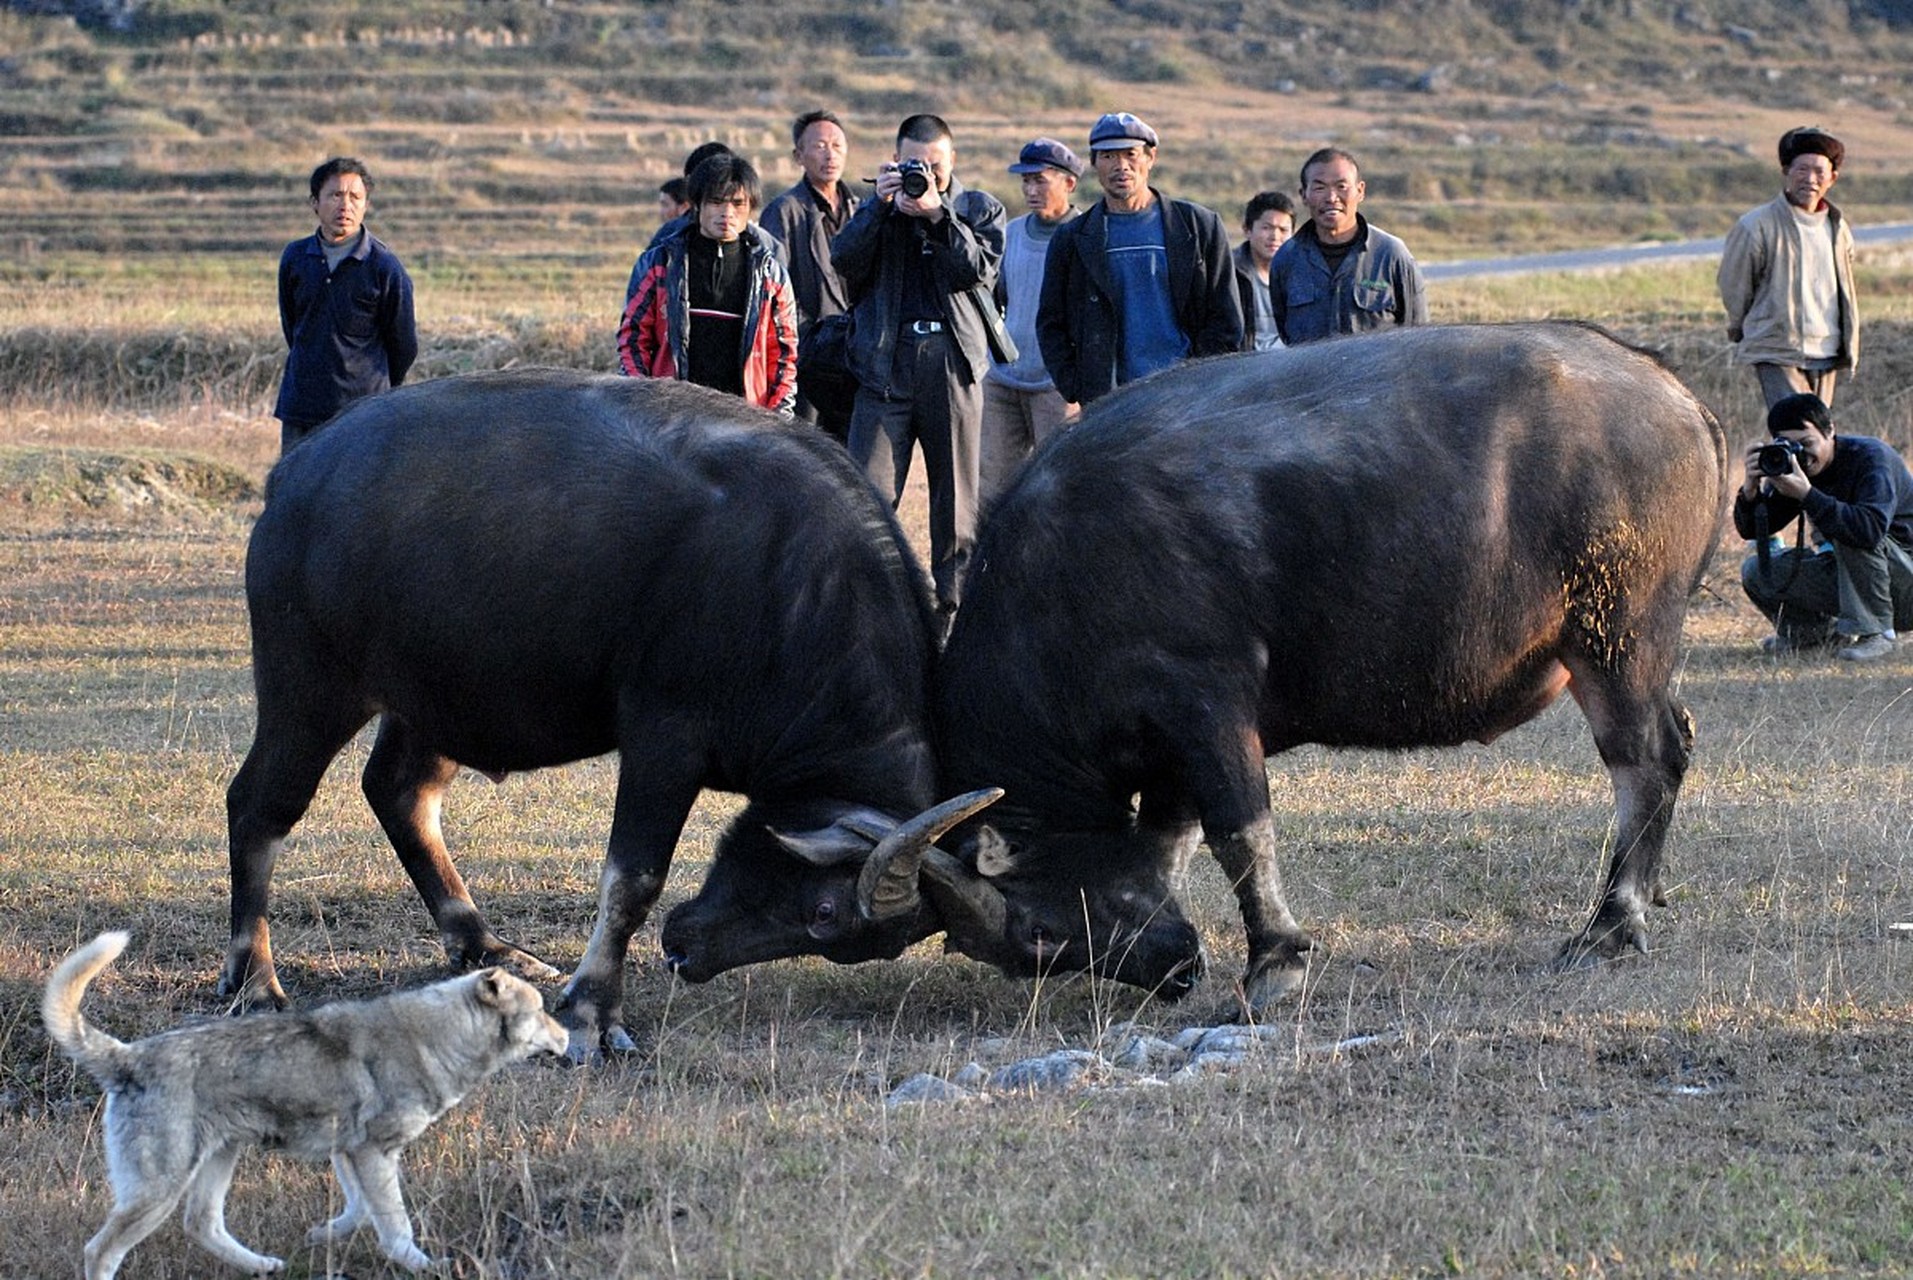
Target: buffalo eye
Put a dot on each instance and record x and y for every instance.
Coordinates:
(823, 916)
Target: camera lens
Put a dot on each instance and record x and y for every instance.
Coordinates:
(916, 183)
(1776, 459)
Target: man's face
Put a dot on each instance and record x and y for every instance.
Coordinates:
(1808, 180)
(669, 207)
(1819, 449)
(1047, 191)
(1124, 171)
(724, 218)
(1269, 232)
(822, 153)
(939, 155)
(340, 205)
(1333, 191)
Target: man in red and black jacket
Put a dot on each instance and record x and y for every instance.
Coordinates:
(713, 303)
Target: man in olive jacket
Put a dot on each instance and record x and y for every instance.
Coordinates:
(1138, 282)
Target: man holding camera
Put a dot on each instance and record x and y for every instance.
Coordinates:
(918, 263)
(1859, 495)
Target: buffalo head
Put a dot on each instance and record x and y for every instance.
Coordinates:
(847, 890)
(1033, 905)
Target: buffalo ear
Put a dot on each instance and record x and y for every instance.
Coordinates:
(994, 857)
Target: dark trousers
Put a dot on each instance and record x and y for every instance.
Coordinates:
(1845, 591)
(933, 403)
(834, 423)
(292, 431)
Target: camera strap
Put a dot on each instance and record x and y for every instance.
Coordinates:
(1763, 546)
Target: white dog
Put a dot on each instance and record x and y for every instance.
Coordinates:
(353, 1081)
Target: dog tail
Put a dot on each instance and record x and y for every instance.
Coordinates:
(92, 1048)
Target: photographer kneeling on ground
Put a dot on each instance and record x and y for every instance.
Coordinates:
(1859, 495)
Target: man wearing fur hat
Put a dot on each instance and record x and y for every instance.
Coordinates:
(1786, 277)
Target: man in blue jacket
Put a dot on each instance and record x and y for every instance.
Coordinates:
(345, 306)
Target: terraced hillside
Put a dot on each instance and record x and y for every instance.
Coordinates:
(539, 130)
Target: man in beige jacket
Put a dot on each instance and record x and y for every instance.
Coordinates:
(1786, 277)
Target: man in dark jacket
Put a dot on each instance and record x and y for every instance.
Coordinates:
(804, 219)
(1859, 495)
(919, 261)
(345, 307)
(1138, 282)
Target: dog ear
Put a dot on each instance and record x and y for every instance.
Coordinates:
(490, 989)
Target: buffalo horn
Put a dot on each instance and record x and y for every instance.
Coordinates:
(887, 885)
(971, 906)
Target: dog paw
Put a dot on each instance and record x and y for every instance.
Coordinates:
(409, 1256)
(266, 1266)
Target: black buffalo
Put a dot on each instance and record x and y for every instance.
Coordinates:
(525, 569)
(1413, 539)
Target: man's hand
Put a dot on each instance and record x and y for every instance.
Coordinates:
(1792, 484)
(929, 206)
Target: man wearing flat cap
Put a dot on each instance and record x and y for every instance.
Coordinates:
(1137, 283)
(1021, 406)
(1786, 277)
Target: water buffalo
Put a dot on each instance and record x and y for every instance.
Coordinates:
(1418, 538)
(525, 569)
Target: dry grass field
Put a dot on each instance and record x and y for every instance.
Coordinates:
(1437, 1102)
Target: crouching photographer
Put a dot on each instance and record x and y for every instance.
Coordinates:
(1859, 495)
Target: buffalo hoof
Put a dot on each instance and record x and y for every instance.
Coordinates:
(593, 1038)
(483, 950)
(1271, 979)
(254, 992)
(596, 1048)
(1601, 943)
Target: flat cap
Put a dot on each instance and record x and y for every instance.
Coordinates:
(1119, 131)
(1047, 153)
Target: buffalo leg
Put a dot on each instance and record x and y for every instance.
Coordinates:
(1232, 797)
(1646, 742)
(404, 782)
(647, 818)
(268, 795)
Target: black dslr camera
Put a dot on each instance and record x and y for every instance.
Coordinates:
(915, 177)
(1776, 458)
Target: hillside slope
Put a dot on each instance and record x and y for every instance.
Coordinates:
(532, 128)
